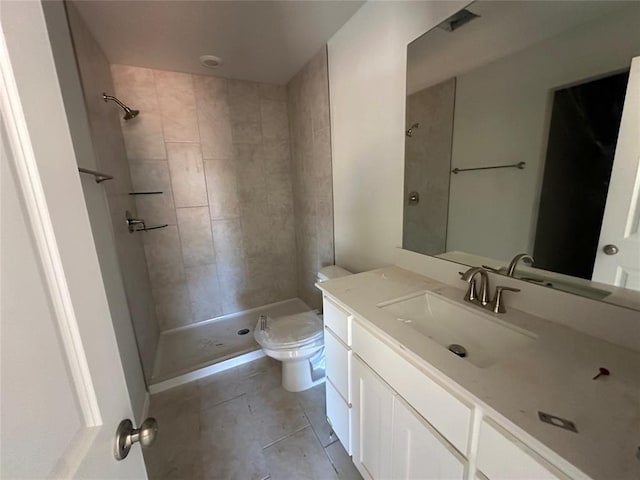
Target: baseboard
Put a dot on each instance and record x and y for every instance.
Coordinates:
(205, 371)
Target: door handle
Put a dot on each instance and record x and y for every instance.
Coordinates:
(126, 436)
(610, 249)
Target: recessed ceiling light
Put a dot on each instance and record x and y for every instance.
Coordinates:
(210, 61)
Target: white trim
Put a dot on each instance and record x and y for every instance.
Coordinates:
(144, 413)
(30, 185)
(206, 371)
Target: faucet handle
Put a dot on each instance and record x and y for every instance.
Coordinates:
(496, 305)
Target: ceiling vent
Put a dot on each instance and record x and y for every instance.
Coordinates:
(457, 20)
(210, 61)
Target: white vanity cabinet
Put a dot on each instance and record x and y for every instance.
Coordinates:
(390, 440)
(398, 420)
(502, 456)
(371, 422)
(419, 451)
(337, 346)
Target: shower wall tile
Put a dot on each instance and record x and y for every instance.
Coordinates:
(174, 309)
(312, 191)
(279, 194)
(137, 86)
(204, 292)
(277, 158)
(275, 125)
(153, 176)
(162, 246)
(177, 106)
(143, 137)
(220, 151)
(187, 174)
(246, 132)
(222, 189)
(227, 237)
(213, 117)
(244, 112)
(272, 92)
(195, 236)
(143, 134)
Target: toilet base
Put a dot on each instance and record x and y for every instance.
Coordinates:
(296, 376)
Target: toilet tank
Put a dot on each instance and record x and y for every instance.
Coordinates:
(330, 272)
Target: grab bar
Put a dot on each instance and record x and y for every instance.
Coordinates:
(99, 176)
(519, 166)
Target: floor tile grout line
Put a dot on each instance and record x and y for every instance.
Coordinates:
(287, 436)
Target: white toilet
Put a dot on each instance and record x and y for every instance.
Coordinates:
(297, 341)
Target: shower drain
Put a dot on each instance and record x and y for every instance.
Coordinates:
(243, 331)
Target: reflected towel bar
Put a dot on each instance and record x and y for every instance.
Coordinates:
(99, 176)
(519, 165)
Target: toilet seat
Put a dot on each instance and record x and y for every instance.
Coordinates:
(290, 332)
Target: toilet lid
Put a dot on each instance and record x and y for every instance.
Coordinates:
(290, 331)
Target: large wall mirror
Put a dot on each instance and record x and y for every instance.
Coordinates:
(522, 135)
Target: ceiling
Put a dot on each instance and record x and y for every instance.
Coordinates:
(504, 27)
(263, 41)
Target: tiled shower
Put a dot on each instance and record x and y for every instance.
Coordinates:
(245, 174)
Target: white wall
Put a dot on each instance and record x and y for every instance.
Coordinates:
(501, 116)
(367, 68)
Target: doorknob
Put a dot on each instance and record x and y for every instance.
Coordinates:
(126, 436)
(610, 249)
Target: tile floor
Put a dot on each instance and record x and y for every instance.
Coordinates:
(241, 424)
(197, 346)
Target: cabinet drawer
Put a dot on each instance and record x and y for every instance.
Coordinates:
(338, 363)
(337, 319)
(500, 455)
(449, 415)
(338, 415)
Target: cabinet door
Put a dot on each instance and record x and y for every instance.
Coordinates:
(418, 451)
(371, 418)
(500, 455)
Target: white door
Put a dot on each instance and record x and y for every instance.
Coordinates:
(372, 416)
(63, 384)
(618, 257)
(418, 452)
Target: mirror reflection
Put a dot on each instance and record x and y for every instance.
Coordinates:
(521, 137)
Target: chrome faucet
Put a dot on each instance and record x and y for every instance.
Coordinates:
(472, 295)
(525, 257)
(483, 298)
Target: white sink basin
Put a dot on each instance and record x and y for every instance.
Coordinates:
(485, 338)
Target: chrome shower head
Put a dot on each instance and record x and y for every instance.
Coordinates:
(411, 129)
(128, 112)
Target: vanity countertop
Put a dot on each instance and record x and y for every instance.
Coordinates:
(554, 374)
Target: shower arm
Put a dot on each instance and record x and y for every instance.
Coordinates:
(106, 98)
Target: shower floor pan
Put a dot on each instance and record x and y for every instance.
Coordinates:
(195, 351)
